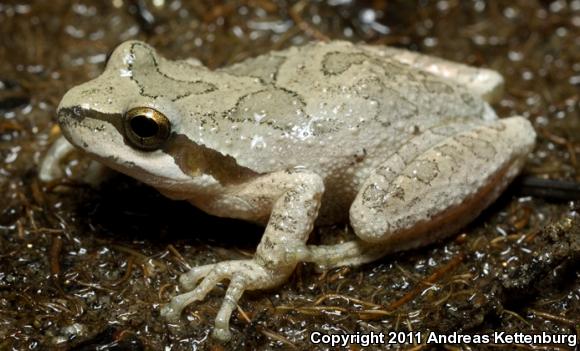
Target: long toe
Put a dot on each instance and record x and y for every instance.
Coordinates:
(243, 275)
(189, 280)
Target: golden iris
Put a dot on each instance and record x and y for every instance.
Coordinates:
(146, 128)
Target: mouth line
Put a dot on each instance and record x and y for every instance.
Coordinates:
(163, 183)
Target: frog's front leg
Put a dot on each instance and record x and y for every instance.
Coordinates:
(294, 210)
(51, 165)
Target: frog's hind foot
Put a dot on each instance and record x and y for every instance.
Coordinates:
(351, 253)
(243, 275)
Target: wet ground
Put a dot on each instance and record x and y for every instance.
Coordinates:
(82, 267)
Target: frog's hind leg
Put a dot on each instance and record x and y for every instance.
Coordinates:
(351, 253)
(432, 195)
(486, 83)
(445, 187)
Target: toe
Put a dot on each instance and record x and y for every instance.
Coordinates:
(170, 314)
(222, 334)
(190, 279)
(243, 275)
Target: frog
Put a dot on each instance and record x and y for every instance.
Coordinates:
(403, 146)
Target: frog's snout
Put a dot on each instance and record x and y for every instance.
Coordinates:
(68, 110)
(66, 115)
(70, 120)
(80, 117)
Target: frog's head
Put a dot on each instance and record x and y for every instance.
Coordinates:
(127, 118)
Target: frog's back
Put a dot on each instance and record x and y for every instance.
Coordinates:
(326, 104)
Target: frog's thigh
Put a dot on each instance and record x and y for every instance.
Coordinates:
(480, 81)
(444, 188)
(413, 198)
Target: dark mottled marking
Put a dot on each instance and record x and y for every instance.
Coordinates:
(469, 100)
(385, 172)
(265, 68)
(436, 87)
(374, 197)
(281, 117)
(397, 192)
(401, 105)
(477, 146)
(450, 152)
(148, 80)
(336, 62)
(283, 223)
(360, 156)
(426, 171)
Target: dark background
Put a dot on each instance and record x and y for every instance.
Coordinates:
(82, 267)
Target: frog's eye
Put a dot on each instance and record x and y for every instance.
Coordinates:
(146, 128)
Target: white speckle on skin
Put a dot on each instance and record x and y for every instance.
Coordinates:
(258, 142)
(128, 59)
(125, 73)
(259, 116)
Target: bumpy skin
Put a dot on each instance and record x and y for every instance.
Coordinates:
(404, 144)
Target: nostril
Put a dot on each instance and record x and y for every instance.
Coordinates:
(67, 114)
(75, 103)
(77, 113)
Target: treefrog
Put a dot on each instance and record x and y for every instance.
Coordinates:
(404, 146)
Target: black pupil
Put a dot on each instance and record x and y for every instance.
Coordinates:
(144, 126)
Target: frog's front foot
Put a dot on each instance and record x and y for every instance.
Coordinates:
(242, 274)
(282, 247)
